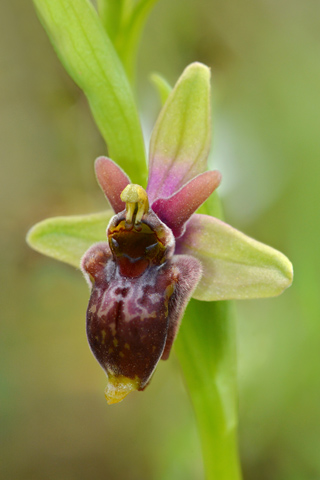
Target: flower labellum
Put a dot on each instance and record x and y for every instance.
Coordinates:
(139, 292)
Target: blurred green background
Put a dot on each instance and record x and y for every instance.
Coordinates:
(55, 423)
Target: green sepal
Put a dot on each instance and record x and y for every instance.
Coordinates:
(180, 140)
(235, 266)
(182, 131)
(68, 238)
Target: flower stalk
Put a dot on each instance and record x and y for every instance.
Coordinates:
(207, 353)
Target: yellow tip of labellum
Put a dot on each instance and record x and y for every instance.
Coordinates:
(137, 203)
(118, 388)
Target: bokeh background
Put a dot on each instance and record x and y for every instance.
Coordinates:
(55, 424)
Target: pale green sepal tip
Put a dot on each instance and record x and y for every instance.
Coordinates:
(235, 266)
(68, 238)
(183, 129)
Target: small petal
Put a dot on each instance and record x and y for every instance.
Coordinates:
(176, 210)
(181, 137)
(67, 238)
(112, 180)
(234, 266)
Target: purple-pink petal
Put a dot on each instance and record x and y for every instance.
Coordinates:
(112, 180)
(166, 178)
(176, 210)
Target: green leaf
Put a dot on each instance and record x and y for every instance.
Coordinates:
(110, 12)
(89, 56)
(129, 35)
(180, 140)
(235, 266)
(163, 87)
(124, 21)
(68, 238)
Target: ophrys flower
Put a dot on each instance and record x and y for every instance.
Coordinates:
(159, 252)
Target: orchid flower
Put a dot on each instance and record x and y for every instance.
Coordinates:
(159, 252)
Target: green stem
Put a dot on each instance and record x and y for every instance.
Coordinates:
(206, 348)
